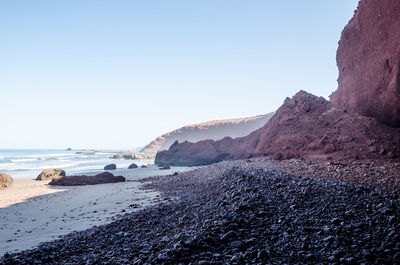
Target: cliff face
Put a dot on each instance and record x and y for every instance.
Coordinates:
(304, 126)
(353, 125)
(368, 59)
(214, 130)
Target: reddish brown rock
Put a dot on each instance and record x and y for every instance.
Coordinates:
(304, 126)
(368, 59)
(101, 178)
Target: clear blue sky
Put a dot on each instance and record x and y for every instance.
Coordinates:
(116, 74)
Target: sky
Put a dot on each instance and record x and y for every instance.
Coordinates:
(117, 74)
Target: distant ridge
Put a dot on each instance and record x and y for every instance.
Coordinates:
(213, 130)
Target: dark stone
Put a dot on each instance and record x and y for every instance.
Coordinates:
(110, 167)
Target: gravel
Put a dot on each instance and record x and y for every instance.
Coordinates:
(241, 212)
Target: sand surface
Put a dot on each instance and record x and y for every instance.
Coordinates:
(32, 211)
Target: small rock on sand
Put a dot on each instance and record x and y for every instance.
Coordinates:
(5, 180)
(110, 167)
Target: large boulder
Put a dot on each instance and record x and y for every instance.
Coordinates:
(132, 166)
(368, 59)
(5, 181)
(101, 178)
(110, 167)
(49, 174)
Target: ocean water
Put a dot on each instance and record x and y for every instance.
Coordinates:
(28, 163)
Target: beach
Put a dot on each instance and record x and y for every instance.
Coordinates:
(32, 212)
(244, 212)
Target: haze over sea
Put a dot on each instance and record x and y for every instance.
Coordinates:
(21, 163)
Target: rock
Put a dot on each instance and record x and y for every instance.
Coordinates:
(228, 235)
(236, 244)
(305, 126)
(101, 178)
(213, 130)
(68, 149)
(133, 165)
(164, 168)
(143, 166)
(49, 174)
(110, 167)
(5, 180)
(368, 59)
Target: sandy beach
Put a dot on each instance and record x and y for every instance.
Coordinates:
(32, 212)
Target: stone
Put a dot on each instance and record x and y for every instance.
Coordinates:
(236, 244)
(133, 165)
(5, 181)
(49, 174)
(110, 167)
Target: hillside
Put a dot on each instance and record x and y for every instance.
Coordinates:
(213, 130)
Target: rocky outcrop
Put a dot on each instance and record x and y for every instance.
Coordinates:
(368, 59)
(133, 165)
(110, 167)
(5, 181)
(304, 126)
(49, 174)
(214, 130)
(133, 156)
(101, 178)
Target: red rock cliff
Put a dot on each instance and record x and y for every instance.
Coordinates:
(368, 59)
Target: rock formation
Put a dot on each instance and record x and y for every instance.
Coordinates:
(110, 167)
(214, 130)
(101, 178)
(304, 126)
(5, 181)
(368, 59)
(351, 126)
(49, 174)
(133, 165)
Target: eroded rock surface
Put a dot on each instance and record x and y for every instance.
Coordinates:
(368, 59)
(304, 126)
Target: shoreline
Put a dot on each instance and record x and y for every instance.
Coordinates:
(238, 212)
(32, 212)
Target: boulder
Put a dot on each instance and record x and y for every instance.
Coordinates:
(49, 174)
(368, 59)
(110, 167)
(5, 181)
(164, 168)
(133, 165)
(101, 178)
(143, 166)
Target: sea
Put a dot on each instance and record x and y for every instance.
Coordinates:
(28, 163)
